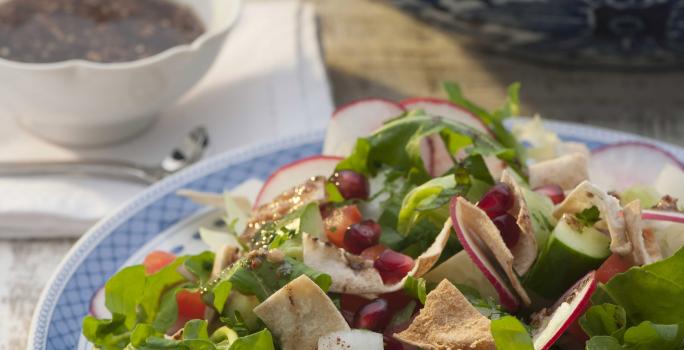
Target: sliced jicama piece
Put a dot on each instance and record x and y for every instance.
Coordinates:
(293, 174)
(443, 108)
(97, 305)
(549, 327)
(354, 120)
(480, 252)
(355, 339)
(621, 165)
(660, 215)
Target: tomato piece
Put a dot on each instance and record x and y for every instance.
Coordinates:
(337, 222)
(156, 260)
(613, 265)
(373, 252)
(190, 305)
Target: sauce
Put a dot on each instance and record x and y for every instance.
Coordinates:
(42, 31)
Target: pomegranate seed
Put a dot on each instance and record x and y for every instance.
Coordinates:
(361, 236)
(373, 316)
(509, 229)
(353, 303)
(351, 184)
(397, 300)
(497, 201)
(372, 253)
(554, 192)
(393, 266)
(391, 343)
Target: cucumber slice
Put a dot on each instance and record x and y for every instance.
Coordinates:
(567, 256)
(541, 213)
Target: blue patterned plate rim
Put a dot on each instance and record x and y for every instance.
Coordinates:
(40, 326)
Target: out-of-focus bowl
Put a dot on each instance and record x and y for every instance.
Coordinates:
(627, 34)
(80, 102)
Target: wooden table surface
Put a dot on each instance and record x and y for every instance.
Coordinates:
(371, 49)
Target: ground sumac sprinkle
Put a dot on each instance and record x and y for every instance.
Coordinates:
(41, 31)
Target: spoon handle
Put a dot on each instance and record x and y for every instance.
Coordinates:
(113, 169)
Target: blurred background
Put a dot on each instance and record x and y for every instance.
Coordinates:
(373, 48)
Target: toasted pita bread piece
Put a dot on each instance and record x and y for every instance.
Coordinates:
(586, 195)
(476, 221)
(448, 321)
(645, 248)
(566, 171)
(300, 313)
(525, 251)
(353, 274)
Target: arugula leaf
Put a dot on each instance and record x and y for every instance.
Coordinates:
(256, 275)
(650, 293)
(604, 319)
(200, 265)
(488, 307)
(588, 217)
(221, 293)
(262, 340)
(648, 335)
(106, 334)
(603, 342)
(416, 288)
(510, 334)
(124, 291)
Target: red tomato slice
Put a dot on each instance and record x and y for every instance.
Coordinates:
(613, 265)
(156, 260)
(337, 222)
(190, 305)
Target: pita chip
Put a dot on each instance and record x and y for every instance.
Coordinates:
(525, 251)
(645, 248)
(353, 274)
(566, 171)
(299, 314)
(586, 195)
(477, 222)
(448, 321)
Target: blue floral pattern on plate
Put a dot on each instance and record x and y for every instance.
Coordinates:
(152, 220)
(623, 33)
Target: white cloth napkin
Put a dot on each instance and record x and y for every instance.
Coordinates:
(269, 81)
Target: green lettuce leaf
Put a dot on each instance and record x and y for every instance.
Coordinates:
(416, 288)
(650, 293)
(604, 319)
(510, 334)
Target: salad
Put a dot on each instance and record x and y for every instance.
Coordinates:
(425, 224)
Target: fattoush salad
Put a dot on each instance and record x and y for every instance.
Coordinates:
(425, 224)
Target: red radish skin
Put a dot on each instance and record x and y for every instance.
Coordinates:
(660, 215)
(357, 119)
(506, 296)
(293, 174)
(447, 109)
(554, 192)
(621, 165)
(588, 286)
(435, 155)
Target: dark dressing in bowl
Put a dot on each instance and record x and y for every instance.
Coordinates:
(43, 31)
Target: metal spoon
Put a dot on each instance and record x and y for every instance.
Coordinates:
(188, 152)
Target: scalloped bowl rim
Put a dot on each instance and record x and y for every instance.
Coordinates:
(191, 47)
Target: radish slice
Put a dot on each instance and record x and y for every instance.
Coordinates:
(355, 339)
(660, 215)
(435, 155)
(293, 174)
(476, 252)
(443, 108)
(621, 165)
(355, 120)
(97, 305)
(566, 310)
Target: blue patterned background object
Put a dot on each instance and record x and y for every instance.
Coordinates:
(616, 33)
(107, 246)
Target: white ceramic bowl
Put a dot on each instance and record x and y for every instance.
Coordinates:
(79, 102)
